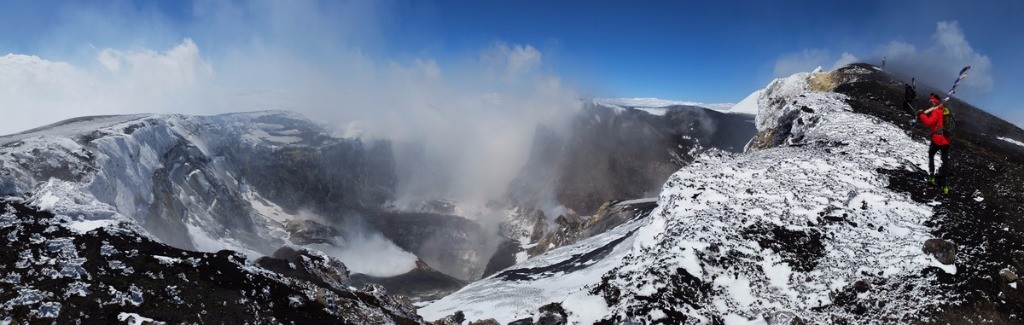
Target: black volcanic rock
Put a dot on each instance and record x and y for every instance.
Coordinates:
(621, 153)
(504, 257)
(984, 214)
(52, 273)
(943, 250)
(455, 245)
(421, 283)
(308, 265)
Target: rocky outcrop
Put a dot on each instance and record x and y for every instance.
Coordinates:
(422, 283)
(612, 154)
(63, 269)
(943, 250)
(570, 227)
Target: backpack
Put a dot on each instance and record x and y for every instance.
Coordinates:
(909, 94)
(948, 120)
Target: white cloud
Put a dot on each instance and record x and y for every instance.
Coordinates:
(511, 61)
(802, 61)
(938, 63)
(474, 118)
(844, 60)
(35, 91)
(808, 60)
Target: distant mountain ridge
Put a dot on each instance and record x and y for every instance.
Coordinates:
(650, 102)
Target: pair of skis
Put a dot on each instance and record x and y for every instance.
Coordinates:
(910, 104)
(963, 74)
(949, 94)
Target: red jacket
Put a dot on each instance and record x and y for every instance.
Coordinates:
(934, 121)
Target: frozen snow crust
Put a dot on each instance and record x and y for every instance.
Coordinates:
(807, 229)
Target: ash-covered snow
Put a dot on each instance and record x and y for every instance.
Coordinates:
(49, 309)
(794, 231)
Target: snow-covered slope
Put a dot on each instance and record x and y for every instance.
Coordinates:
(748, 105)
(808, 230)
(556, 276)
(234, 181)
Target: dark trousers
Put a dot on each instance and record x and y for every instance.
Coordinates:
(943, 151)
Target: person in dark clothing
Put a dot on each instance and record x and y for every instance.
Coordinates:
(909, 95)
(933, 119)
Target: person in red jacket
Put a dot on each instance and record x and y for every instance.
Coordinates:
(933, 119)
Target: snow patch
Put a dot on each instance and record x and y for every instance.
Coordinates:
(587, 308)
(655, 111)
(748, 105)
(136, 319)
(84, 226)
(1012, 141)
(47, 201)
(167, 260)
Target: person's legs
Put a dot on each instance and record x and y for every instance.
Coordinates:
(931, 162)
(943, 176)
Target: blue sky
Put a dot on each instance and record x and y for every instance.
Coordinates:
(718, 51)
(708, 51)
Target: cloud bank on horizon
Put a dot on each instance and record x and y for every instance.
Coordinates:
(938, 63)
(935, 64)
(323, 59)
(810, 59)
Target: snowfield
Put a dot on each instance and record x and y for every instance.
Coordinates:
(798, 230)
